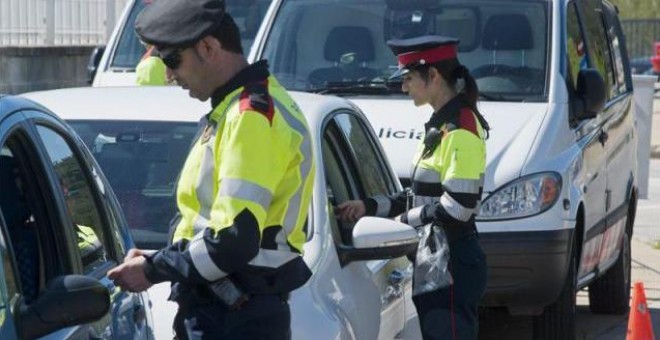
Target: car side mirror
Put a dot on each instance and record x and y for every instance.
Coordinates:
(66, 301)
(93, 63)
(376, 238)
(591, 94)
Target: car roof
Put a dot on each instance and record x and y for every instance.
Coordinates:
(11, 103)
(155, 103)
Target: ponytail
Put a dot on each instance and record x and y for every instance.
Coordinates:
(452, 71)
(470, 92)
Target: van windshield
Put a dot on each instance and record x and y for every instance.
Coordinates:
(141, 160)
(246, 13)
(340, 46)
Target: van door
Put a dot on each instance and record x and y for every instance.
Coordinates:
(620, 145)
(616, 119)
(590, 135)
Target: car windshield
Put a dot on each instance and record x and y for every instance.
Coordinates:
(340, 45)
(141, 160)
(246, 13)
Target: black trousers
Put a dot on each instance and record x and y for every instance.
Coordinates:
(262, 317)
(451, 313)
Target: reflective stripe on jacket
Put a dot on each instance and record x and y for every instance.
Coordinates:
(448, 184)
(244, 194)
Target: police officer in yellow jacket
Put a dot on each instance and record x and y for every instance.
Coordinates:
(150, 71)
(244, 191)
(446, 181)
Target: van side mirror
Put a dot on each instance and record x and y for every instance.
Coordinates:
(93, 63)
(590, 94)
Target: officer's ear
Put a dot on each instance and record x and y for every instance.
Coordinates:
(434, 74)
(209, 47)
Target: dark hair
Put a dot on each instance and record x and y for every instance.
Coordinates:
(451, 70)
(228, 35)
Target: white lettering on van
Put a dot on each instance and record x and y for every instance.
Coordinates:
(384, 133)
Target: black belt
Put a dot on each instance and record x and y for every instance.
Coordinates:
(201, 296)
(455, 233)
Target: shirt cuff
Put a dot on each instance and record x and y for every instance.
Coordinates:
(151, 271)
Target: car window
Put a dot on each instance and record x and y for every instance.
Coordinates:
(8, 283)
(28, 208)
(576, 48)
(81, 205)
(142, 161)
(318, 44)
(374, 177)
(598, 50)
(246, 13)
(340, 179)
(617, 45)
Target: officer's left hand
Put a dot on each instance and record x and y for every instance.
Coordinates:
(129, 276)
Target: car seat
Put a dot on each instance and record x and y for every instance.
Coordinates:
(349, 48)
(22, 233)
(508, 32)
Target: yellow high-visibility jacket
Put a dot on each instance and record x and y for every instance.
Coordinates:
(244, 192)
(448, 182)
(151, 72)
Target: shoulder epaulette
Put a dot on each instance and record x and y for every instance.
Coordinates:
(464, 120)
(255, 97)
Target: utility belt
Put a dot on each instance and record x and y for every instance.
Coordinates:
(224, 291)
(459, 232)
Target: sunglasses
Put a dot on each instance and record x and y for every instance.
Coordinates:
(172, 59)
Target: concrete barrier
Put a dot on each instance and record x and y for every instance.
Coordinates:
(24, 69)
(644, 88)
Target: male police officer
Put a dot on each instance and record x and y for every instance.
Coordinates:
(244, 190)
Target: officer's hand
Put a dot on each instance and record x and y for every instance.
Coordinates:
(130, 276)
(350, 211)
(135, 252)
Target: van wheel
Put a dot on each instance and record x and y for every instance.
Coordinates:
(558, 319)
(610, 294)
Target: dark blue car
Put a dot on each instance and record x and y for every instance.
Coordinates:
(61, 231)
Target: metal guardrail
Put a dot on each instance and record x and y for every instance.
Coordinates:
(32, 23)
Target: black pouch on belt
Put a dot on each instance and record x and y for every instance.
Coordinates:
(226, 291)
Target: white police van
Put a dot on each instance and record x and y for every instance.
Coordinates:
(114, 64)
(560, 188)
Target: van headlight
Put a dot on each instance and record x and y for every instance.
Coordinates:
(526, 196)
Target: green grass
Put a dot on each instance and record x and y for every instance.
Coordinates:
(656, 244)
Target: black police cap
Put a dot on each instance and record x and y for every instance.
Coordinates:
(178, 23)
(426, 49)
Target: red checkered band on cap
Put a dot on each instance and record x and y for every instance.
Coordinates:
(429, 56)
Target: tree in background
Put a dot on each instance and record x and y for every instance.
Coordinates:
(638, 9)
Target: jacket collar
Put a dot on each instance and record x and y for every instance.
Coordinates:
(253, 73)
(446, 113)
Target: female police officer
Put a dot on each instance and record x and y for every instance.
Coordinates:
(447, 183)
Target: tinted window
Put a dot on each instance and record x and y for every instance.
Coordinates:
(142, 161)
(8, 283)
(373, 175)
(618, 47)
(340, 180)
(316, 44)
(79, 197)
(598, 50)
(21, 224)
(246, 13)
(576, 48)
